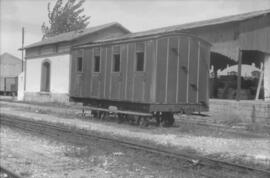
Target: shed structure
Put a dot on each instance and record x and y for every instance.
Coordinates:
(244, 36)
(10, 68)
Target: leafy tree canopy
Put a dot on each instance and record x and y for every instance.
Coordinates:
(64, 18)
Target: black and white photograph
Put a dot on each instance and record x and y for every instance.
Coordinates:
(134, 88)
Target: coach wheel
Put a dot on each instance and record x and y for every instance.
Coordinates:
(158, 119)
(136, 120)
(82, 114)
(121, 118)
(103, 115)
(167, 119)
(94, 114)
(144, 121)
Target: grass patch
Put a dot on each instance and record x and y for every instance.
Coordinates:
(230, 120)
(259, 128)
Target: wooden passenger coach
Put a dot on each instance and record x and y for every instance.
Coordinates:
(143, 73)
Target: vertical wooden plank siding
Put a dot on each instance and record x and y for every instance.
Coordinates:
(203, 77)
(154, 73)
(102, 74)
(172, 70)
(91, 53)
(161, 68)
(207, 49)
(79, 74)
(92, 76)
(131, 61)
(144, 77)
(167, 70)
(183, 69)
(108, 72)
(105, 71)
(73, 75)
(123, 69)
(87, 72)
(188, 63)
(84, 72)
(150, 51)
(198, 72)
(192, 84)
(78, 77)
(178, 68)
(126, 73)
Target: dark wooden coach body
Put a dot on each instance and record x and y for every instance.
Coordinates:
(147, 73)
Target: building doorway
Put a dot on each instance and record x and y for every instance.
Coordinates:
(45, 76)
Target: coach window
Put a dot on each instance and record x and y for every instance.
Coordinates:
(116, 59)
(96, 60)
(116, 63)
(97, 64)
(79, 64)
(140, 57)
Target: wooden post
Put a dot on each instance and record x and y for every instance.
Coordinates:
(22, 46)
(23, 61)
(238, 92)
(259, 83)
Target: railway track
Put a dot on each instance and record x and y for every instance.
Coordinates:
(74, 112)
(5, 173)
(196, 162)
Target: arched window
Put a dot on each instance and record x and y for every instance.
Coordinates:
(45, 76)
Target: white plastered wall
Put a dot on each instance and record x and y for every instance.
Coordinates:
(59, 78)
(267, 77)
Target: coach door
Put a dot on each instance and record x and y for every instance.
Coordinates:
(139, 73)
(116, 74)
(96, 74)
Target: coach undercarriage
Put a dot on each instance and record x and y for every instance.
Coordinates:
(135, 113)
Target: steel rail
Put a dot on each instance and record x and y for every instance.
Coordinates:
(193, 160)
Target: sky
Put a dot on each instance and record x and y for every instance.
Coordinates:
(136, 15)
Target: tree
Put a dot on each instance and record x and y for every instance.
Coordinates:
(64, 18)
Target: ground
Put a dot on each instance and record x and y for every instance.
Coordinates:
(39, 156)
(225, 147)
